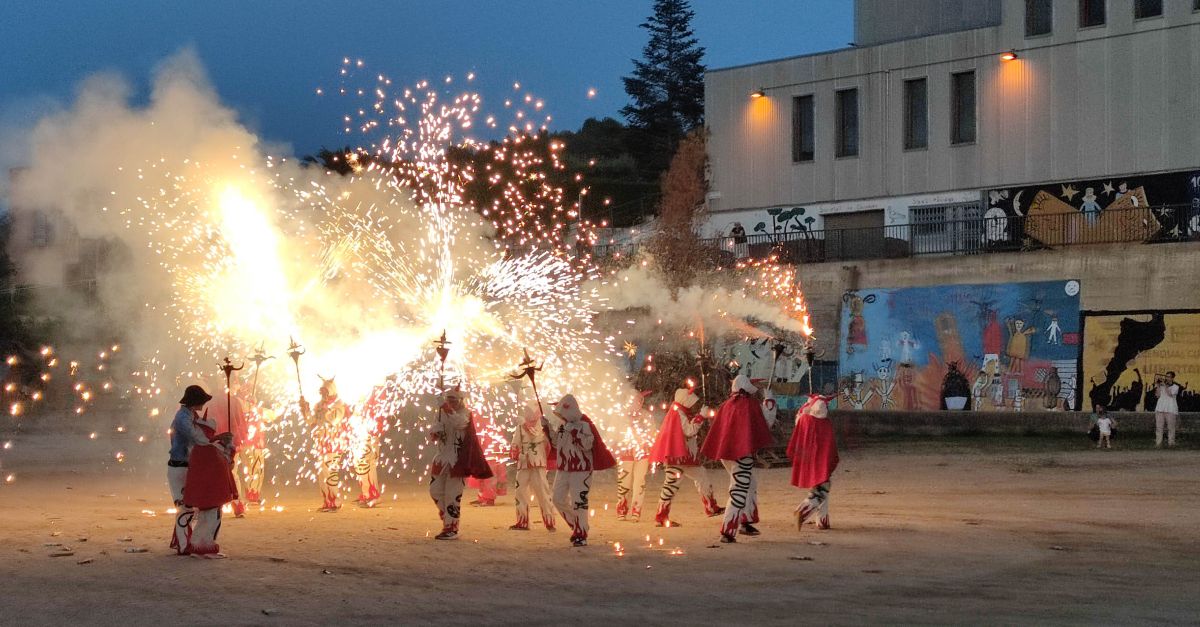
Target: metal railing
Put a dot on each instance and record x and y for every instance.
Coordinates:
(1164, 223)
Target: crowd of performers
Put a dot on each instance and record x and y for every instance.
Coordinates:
(218, 453)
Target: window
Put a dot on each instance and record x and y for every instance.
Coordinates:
(802, 129)
(962, 108)
(946, 229)
(847, 123)
(1091, 13)
(916, 114)
(1147, 8)
(1039, 17)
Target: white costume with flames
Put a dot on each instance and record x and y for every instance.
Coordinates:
(328, 424)
(529, 451)
(577, 443)
(448, 435)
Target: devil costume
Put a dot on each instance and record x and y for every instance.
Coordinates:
(457, 456)
(814, 455)
(329, 423)
(531, 456)
(738, 432)
(580, 452)
(678, 447)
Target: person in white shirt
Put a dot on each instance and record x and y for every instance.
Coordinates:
(1105, 424)
(1166, 408)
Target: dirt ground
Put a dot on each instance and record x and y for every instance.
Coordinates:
(971, 530)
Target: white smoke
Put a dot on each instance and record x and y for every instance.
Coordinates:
(717, 309)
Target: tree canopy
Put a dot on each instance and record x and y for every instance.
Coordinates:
(666, 89)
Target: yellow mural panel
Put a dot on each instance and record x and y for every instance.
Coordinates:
(1122, 353)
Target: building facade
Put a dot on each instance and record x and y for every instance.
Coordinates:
(907, 128)
(1060, 134)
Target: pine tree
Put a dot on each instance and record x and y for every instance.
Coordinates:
(666, 89)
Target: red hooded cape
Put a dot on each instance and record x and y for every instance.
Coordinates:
(739, 430)
(812, 449)
(471, 462)
(602, 459)
(671, 445)
(210, 480)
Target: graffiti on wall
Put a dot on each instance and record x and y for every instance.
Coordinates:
(1158, 206)
(998, 347)
(1124, 352)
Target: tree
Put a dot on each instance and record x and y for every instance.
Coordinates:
(676, 246)
(666, 89)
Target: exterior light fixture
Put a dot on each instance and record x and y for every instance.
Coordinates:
(1008, 56)
(758, 93)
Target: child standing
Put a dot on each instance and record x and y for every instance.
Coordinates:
(580, 452)
(1105, 425)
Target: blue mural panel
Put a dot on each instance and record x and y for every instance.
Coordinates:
(1001, 347)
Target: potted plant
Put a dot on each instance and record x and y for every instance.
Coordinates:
(956, 390)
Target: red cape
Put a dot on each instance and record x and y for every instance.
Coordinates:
(471, 462)
(739, 430)
(671, 445)
(602, 459)
(210, 480)
(813, 450)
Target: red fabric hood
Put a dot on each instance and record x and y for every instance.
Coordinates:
(738, 430)
(812, 449)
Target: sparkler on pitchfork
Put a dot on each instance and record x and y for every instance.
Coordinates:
(443, 351)
(295, 351)
(704, 361)
(442, 346)
(258, 358)
(528, 368)
(228, 368)
(777, 349)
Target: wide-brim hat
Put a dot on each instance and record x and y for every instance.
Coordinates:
(194, 395)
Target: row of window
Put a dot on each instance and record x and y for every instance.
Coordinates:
(916, 118)
(1039, 14)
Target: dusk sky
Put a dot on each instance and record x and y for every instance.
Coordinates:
(267, 58)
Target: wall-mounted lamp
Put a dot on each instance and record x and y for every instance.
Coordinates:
(758, 93)
(1011, 55)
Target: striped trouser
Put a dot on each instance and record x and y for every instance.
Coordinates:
(631, 488)
(816, 503)
(743, 495)
(673, 475)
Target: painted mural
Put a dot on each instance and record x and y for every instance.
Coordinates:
(1139, 208)
(998, 347)
(1124, 352)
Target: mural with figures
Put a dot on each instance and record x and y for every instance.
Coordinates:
(1124, 352)
(1136, 208)
(998, 347)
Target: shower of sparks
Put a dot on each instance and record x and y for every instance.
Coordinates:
(366, 270)
(431, 231)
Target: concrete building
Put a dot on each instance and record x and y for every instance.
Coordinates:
(1058, 134)
(902, 121)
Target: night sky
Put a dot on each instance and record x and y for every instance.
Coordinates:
(267, 58)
